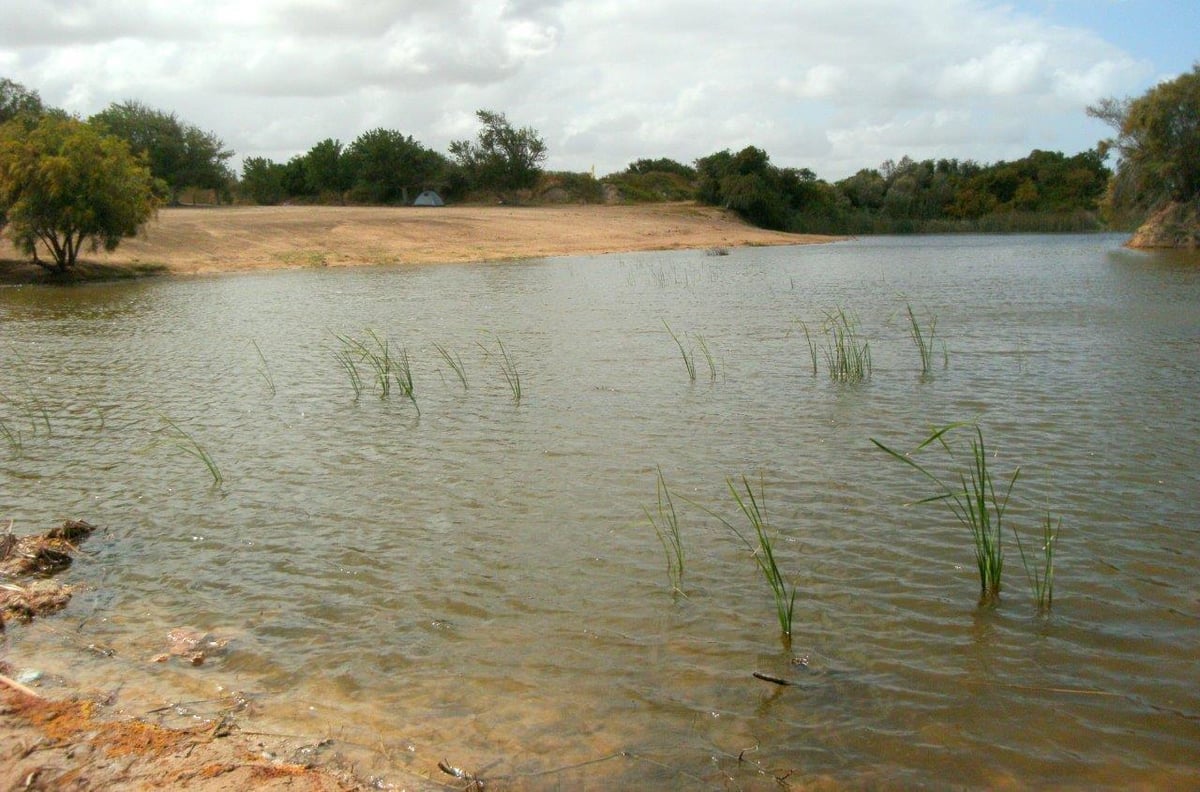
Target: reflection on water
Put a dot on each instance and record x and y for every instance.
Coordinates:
(480, 583)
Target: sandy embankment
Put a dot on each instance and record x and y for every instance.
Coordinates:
(227, 239)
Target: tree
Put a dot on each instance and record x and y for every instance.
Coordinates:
(63, 184)
(262, 180)
(17, 100)
(387, 165)
(328, 169)
(1157, 143)
(501, 158)
(180, 154)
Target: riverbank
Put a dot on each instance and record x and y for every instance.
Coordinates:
(206, 240)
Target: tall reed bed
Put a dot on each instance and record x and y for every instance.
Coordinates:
(665, 521)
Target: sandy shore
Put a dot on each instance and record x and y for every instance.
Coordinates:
(229, 239)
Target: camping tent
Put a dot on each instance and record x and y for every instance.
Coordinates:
(429, 198)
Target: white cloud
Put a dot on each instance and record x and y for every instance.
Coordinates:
(834, 85)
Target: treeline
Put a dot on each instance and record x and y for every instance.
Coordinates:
(385, 166)
(1045, 191)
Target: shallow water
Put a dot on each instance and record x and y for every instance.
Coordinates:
(479, 582)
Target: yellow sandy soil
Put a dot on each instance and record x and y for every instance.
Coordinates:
(227, 239)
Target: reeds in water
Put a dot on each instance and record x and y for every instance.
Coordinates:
(454, 361)
(665, 521)
(376, 354)
(973, 498)
(689, 357)
(175, 435)
(924, 339)
(752, 507)
(812, 347)
(847, 354)
(509, 369)
(264, 369)
(1040, 571)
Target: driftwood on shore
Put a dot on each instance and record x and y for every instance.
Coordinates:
(27, 564)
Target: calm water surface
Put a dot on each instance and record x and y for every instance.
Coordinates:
(479, 583)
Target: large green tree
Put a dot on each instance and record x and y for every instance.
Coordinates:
(502, 157)
(1157, 144)
(64, 184)
(387, 166)
(181, 154)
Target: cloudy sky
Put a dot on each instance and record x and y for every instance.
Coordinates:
(832, 85)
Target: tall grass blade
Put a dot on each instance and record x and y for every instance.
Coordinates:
(665, 521)
(1041, 577)
(762, 548)
(455, 363)
(177, 436)
(264, 370)
(923, 338)
(973, 500)
(846, 353)
(708, 357)
(404, 378)
(689, 359)
(812, 347)
(511, 375)
(12, 438)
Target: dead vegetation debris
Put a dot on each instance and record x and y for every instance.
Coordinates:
(28, 562)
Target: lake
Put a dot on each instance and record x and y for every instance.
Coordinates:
(473, 574)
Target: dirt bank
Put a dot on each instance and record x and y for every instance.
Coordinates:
(229, 239)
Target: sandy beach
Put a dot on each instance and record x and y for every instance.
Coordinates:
(206, 240)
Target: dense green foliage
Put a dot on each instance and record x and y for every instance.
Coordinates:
(1046, 191)
(1157, 144)
(64, 183)
(381, 166)
(502, 158)
(180, 154)
(17, 100)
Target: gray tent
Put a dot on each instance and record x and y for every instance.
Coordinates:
(429, 198)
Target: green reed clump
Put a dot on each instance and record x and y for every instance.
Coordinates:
(924, 339)
(375, 353)
(1041, 578)
(665, 521)
(846, 353)
(972, 498)
(689, 357)
(175, 435)
(454, 361)
(752, 507)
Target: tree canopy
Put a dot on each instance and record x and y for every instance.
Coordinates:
(502, 157)
(181, 154)
(64, 184)
(17, 100)
(1157, 144)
